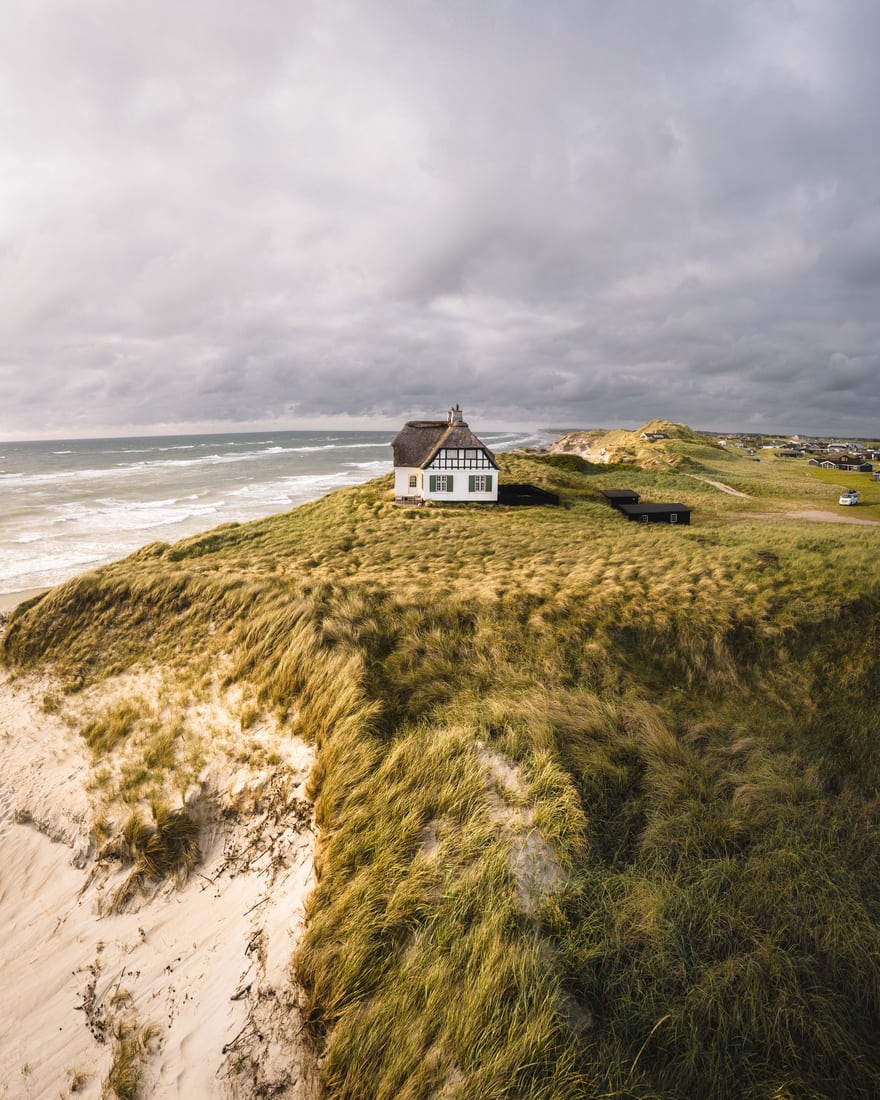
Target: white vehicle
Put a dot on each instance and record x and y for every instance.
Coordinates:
(850, 496)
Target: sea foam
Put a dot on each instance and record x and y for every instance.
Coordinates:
(69, 505)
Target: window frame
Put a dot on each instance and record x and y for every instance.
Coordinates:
(441, 483)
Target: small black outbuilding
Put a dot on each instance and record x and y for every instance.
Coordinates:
(657, 513)
(616, 497)
(525, 495)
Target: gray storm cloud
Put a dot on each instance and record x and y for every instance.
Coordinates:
(567, 213)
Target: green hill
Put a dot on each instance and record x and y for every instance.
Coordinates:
(598, 803)
(681, 444)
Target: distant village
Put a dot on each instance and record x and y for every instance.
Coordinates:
(831, 454)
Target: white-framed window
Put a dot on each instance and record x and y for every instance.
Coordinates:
(673, 517)
(413, 481)
(479, 483)
(441, 485)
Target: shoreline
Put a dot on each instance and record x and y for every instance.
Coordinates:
(10, 600)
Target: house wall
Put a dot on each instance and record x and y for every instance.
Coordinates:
(401, 481)
(683, 517)
(460, 484)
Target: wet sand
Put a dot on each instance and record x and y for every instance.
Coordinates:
(11, 600)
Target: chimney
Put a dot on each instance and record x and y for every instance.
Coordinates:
(455, 415)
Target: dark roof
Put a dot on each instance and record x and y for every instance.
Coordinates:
(652, 509)
(420, 440)
(620, 494)
(525, 494)
(846, 462)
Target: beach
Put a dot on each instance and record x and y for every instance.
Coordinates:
(70, 506)
(10, 600)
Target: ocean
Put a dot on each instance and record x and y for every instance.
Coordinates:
(67, 506)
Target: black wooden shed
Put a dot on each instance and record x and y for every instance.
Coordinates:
(657, 513)
(525, 495)
(616, 497)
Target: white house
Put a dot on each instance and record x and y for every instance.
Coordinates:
(443, 460)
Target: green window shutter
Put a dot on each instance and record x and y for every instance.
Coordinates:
(471, 480)
(432, 483)
(488, 483)
(449, 483)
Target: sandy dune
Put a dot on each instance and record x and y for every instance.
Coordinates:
(206, 964)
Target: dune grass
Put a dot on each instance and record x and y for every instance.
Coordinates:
(167, 846)
(132, 1046)
(598, 803)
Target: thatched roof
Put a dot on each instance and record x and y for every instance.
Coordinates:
(418, 441)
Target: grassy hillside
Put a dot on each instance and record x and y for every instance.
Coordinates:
(619, 445)
(599, 802)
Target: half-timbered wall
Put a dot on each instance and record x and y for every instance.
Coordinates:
(470, 458)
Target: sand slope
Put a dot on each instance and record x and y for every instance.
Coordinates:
(207, 964)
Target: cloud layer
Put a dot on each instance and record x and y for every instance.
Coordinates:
(570, 213)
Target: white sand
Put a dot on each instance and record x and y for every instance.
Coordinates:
(833, 517)
(10, 600)
(812, 516)
(175, 960)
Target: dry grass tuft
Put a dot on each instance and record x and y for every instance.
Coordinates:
(132, 1045)
(169, 846)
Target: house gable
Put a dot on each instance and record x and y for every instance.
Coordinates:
(462, 454)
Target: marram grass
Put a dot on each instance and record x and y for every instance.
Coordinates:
(169, 846)
(599, 804)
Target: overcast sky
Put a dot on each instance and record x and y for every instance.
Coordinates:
(218, 214)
